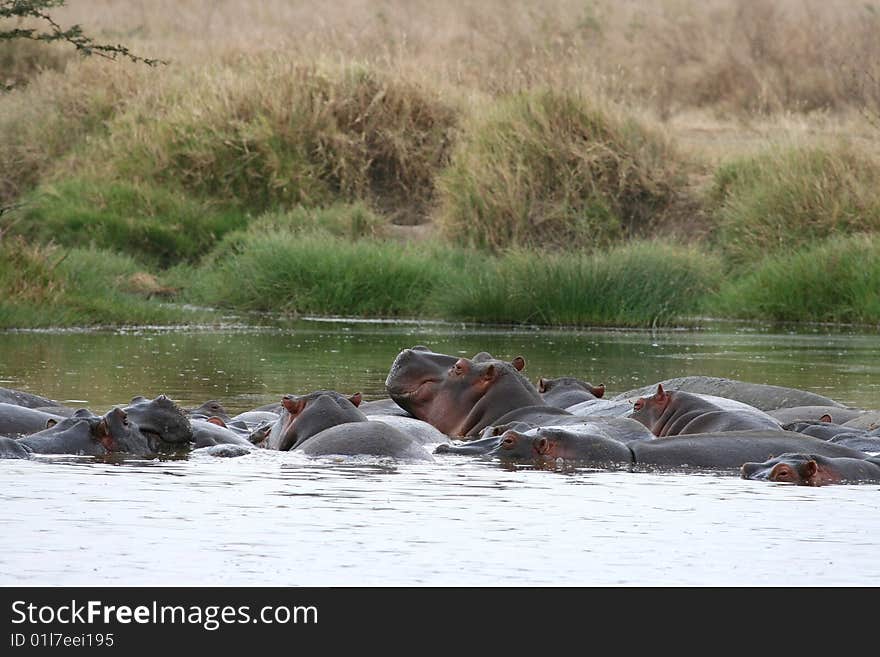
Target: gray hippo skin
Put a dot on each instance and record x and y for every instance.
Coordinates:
(21, 420)
(730, 449)
(763, 397)
(367, 438)
(326, 422)
(83, 434)
(565, 391)
(590, 444)
(162, 421)
(815, 413)
(814, 470)
(326, 408)
(869, 421)
(213, 431)
(26, 399)
(677, 412)
(211, 408)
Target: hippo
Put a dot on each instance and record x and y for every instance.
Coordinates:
(82, 434)
(21, 420)
(26, 399)
(763, 397)
(677, 412)
(808, 469)
(566, 391)
(588, 442)
(552, 443)
(222, 451)
(253, 419)
(821, 429)
(327, 422)
(869, 420)
(211, 408)
(214, 431)
(366, 438)
(730, 449)
(162, 421)
(383, 407)
(461, 396)
(815, 413)
(327, 408)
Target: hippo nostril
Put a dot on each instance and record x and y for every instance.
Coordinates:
(508, 442)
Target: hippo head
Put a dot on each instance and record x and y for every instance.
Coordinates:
(567, 382)
(303, 416)
(648, 410)
(212, 408)
(791, 468)
(160, 420)
(458, 395)
(89, 434)
(122, 435)
(552, 443)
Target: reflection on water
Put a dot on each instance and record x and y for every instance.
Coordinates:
(280, 519)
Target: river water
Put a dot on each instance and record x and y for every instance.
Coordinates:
(282, 519)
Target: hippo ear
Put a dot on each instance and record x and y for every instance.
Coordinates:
(356, 399)
(216, 420)
(82, 412)
(826, 418)
(598, 391)
(519, 363)
(420, 347)
(660, 392)
(542, 385)
(809, 469)
(51, 422)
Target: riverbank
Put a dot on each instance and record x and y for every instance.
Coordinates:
(327, 181)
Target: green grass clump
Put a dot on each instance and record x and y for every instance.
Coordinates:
(638, 284)
(550, 169)
(291, 271)
(837, 280)
(353, 221)
(790, 198)
(50, 286)
(157, 226)
(268, 132)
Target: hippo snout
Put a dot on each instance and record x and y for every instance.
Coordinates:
(753, 471)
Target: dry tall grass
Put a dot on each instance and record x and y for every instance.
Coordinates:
(741, 56)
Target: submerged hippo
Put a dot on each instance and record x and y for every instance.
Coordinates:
(83, 434)
(461, 396)
(566, 391)
(214, 431)
(25, 399)
(21, 420)
(162, 421)
(326, 422)
(211, 408)
(677, 412)
(763, 397)
(814, 470)
(815, 414)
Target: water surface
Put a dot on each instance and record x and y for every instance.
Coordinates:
(281, 519)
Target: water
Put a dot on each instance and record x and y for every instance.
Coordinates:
(280, 519)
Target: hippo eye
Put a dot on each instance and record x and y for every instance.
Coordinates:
(508, 442)
(639, 404)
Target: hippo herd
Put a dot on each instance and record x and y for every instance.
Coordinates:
(446, 405)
